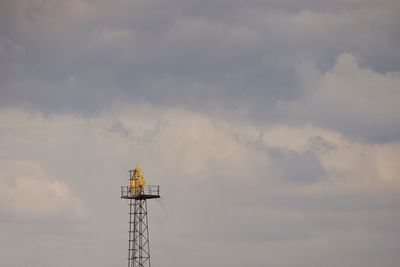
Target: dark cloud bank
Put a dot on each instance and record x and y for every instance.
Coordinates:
(230, 57)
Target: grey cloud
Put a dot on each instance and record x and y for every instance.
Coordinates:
(318, 144)
(226, 56)
(298, 167)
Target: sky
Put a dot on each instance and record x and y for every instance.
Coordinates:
(272, 127)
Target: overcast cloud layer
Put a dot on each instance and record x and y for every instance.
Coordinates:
(271, 126)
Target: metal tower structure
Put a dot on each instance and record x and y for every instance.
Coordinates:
(138, 235)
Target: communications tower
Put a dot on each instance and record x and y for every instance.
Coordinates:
(138, 235)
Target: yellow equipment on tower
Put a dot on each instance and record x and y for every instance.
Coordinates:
(136, 181)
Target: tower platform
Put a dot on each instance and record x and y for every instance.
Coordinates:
(140, 192)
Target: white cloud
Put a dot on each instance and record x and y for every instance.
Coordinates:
(355, 100)
(28, 194)
(222, 182)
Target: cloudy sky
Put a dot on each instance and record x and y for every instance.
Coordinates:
(272, 127)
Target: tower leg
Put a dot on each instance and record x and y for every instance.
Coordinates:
(138, 249)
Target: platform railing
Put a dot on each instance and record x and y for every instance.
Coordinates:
(146, 190)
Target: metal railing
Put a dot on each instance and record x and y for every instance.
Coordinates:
(146, 190)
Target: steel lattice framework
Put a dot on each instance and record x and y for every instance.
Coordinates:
(138, 234)
(139, 249)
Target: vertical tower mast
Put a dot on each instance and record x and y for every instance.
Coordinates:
(138, 235)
